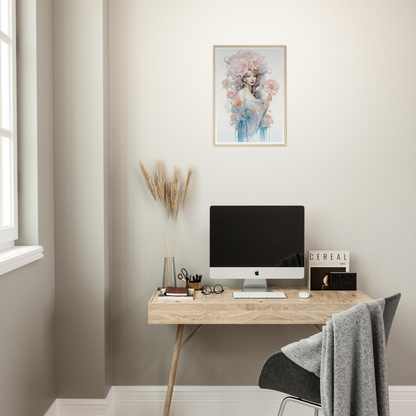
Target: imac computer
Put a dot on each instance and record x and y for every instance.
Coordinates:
(256, 243)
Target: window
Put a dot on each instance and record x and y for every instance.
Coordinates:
(8, 146)
(11, 255)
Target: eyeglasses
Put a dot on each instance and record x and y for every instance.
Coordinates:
(207, 290)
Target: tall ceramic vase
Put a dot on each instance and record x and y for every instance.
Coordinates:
(169, 272)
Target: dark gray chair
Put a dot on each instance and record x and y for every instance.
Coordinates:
(281, 374)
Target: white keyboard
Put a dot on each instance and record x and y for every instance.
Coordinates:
(259, 295)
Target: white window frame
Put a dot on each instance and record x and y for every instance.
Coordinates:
(11, 256)
(9, 233)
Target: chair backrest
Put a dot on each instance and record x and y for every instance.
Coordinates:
(389, 312)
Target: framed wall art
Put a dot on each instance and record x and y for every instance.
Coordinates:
(249, 95)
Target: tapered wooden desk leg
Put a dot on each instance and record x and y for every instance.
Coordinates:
(173, 368)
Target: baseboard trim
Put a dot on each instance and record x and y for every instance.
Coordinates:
(402, 394)
(203, 400)
(193, 394)
(84, 407)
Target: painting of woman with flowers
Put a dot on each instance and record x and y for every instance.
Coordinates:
(249, 95)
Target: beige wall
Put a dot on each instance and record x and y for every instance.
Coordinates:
(349, 160)
(27, 295)
(82, 198)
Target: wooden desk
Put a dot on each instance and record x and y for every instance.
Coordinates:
(223, 309)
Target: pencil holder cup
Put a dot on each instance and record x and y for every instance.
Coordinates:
(195, 286)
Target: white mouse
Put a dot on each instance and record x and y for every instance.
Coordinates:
(304, 295)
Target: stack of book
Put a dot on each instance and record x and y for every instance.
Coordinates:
(176, 293)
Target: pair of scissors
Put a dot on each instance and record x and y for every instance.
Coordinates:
(184, 275)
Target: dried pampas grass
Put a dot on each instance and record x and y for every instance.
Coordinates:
(160, 180)
(166, 197)
(148, 179)
(170, 198)
(186, 183)
(174, 193)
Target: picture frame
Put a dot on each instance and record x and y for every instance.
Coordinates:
(249, 91)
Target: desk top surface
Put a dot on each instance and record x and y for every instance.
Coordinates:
(222, 308)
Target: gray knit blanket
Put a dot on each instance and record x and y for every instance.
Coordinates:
(349, 356)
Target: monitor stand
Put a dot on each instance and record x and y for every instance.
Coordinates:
(255, 285)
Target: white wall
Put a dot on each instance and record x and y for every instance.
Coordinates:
(351, 145)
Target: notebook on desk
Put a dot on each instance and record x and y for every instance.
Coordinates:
(169, 298)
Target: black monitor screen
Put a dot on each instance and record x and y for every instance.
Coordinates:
(257, 236)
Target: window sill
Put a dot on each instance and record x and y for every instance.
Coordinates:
(18, 256)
